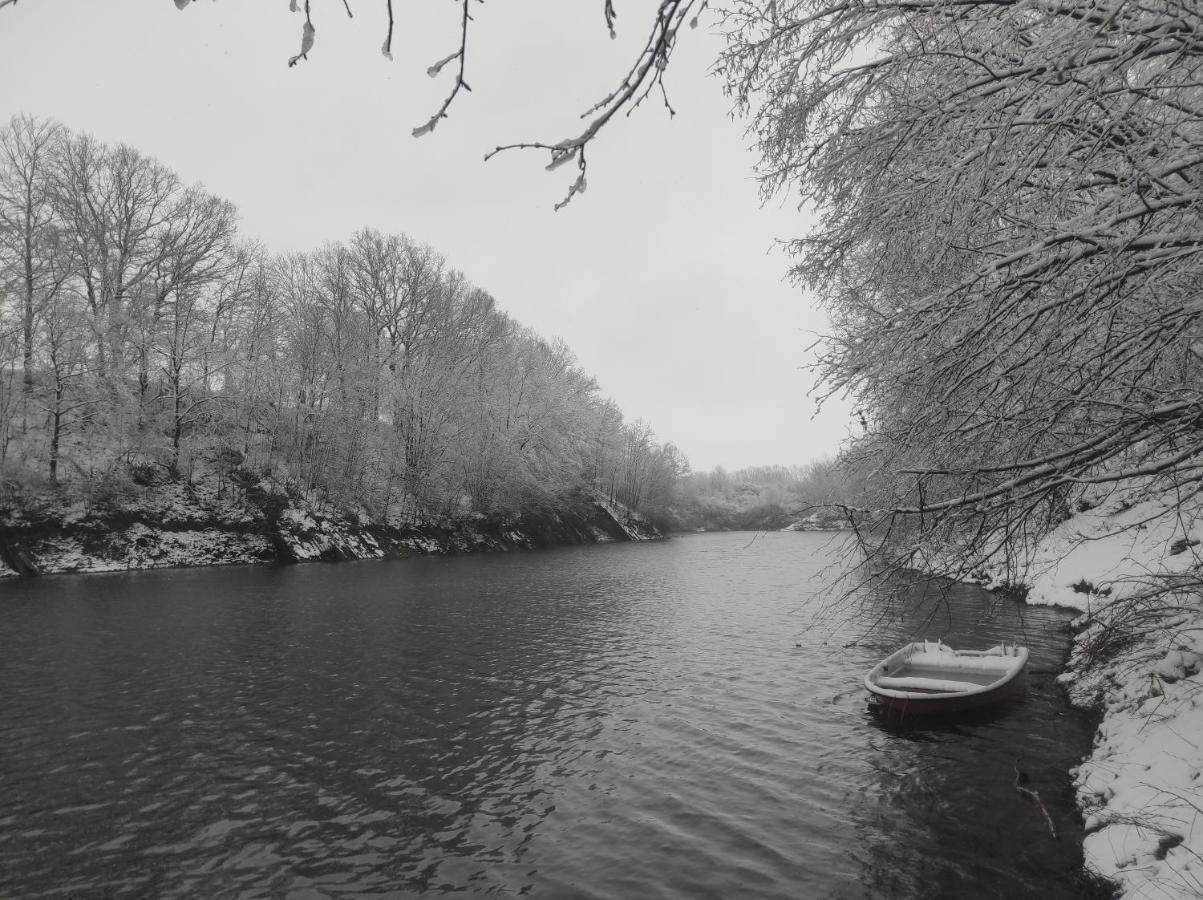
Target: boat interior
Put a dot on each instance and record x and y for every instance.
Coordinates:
(934, 668)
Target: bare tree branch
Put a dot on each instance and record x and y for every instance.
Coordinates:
(460, 55)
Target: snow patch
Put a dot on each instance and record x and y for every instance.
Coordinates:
(1109, 552)
(1141, 788)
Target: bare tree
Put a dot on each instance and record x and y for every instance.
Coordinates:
(198, 237)
(28, 235)
(1010, 246)
(395, 282)
(364, 372)
(66, 394)
(116, 207)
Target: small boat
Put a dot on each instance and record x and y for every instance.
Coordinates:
(930, 677)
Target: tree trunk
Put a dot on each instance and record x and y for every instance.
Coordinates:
(56, 430)
(177, 428)
(27, 336)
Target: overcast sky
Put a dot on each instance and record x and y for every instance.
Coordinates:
(662, 277)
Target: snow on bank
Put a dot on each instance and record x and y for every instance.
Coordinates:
(633, 525)
(1140, 790)
(1112, 550)
(197, 524)
(1137, 657)
(142, 547)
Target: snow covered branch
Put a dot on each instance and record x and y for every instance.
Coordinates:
(1011, 247)
(645, 75)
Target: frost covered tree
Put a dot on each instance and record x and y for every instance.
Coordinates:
(1011, 243)
(141, 335)
(28, 235)
(396, 281)
(68, 396)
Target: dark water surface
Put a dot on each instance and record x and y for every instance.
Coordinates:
(656, 720)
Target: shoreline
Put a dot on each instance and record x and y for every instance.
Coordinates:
(1135, 659)
(181, 526)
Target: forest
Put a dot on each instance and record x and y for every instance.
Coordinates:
(144, 340)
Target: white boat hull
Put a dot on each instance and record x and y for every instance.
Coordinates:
(929, 677)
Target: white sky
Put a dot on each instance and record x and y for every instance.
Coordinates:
(662, 277)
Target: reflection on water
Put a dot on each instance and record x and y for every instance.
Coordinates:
(626, 721)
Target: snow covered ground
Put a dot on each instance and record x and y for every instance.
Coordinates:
(1129, 564)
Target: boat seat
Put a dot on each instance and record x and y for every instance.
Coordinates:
(915, 683)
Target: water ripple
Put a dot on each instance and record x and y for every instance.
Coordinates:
(627, 721)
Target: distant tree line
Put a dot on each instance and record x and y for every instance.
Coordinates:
(141, 335)
(764, 498)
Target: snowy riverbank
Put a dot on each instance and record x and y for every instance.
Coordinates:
(1130, 565)
(195, 525)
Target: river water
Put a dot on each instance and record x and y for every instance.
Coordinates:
(632, 720)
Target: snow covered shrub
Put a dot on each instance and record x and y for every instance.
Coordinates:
(114, 491)
(1132, 633)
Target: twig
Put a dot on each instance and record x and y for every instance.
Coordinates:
(646, 73)
(462, 55)
(307, 34)
(1036, 797)
(387, 49)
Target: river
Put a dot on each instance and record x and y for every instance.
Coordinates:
(650, 720)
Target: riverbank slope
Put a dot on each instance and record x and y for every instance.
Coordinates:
(180, 524)
(1131, 565)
